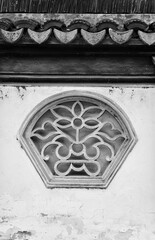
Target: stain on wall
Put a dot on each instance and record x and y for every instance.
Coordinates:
(124, 211)
(15, 234)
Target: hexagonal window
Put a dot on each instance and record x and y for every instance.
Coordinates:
(77, 139)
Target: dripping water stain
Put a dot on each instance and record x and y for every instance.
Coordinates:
(132, 94)
(21, 91)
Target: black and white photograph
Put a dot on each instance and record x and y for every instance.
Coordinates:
(77, 119)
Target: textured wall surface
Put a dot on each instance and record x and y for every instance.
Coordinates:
(78, 6)
(124, 211)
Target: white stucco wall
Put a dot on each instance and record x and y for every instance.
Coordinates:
(124, 211)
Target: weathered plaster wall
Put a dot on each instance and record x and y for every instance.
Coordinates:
(124, 211)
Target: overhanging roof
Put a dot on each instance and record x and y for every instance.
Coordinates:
(53, 24)
(78, 6)
(93, 22)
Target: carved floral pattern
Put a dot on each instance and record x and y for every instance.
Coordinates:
(77, 139)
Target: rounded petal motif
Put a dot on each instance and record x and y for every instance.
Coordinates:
(93, 38)
(147, 38)
(39, 37)
(65, 37)
(120, 37)
(12, 36)
(92, 123)
(63, 123)
(77, 109)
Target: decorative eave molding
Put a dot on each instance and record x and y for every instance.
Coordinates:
(93, 29)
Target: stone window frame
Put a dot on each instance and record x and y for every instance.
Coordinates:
(78, 181)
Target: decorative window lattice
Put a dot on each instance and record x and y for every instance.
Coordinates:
(77, 139)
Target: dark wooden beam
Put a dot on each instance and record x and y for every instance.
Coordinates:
(78, 65)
